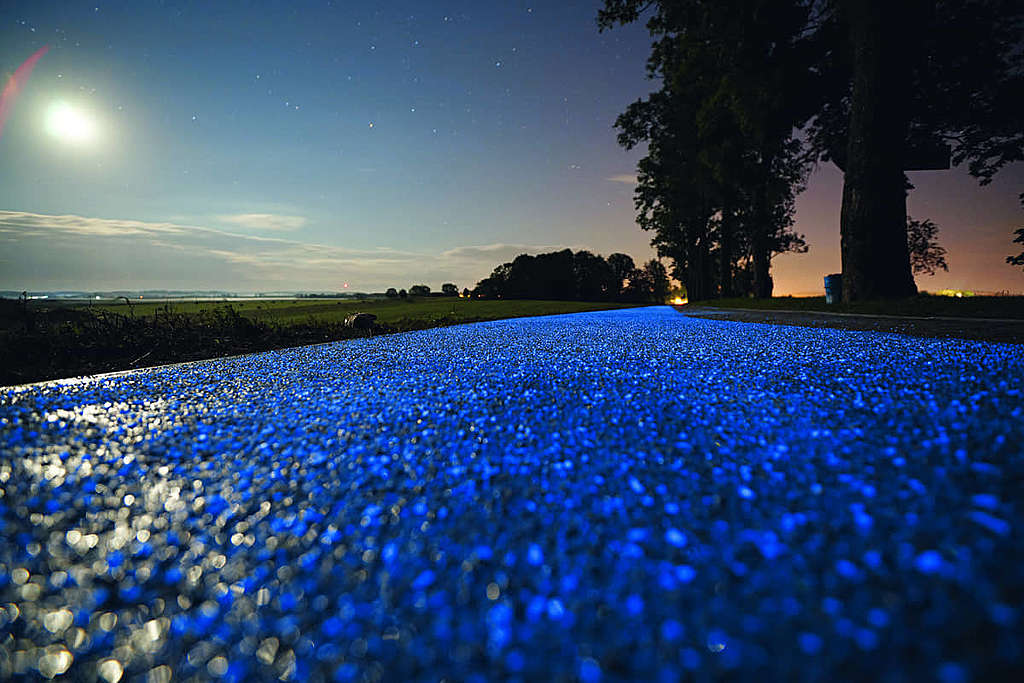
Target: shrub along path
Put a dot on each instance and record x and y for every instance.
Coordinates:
(623, 495)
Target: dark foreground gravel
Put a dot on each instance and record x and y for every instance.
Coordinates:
(604, 496)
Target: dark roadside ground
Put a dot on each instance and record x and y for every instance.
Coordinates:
(1004, 330)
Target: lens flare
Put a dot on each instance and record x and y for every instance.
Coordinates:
(16, 82)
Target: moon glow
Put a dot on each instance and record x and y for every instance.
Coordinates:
(70, 124)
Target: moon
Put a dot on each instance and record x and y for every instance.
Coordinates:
(70, 124)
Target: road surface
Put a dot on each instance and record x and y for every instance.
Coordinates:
(617, 495)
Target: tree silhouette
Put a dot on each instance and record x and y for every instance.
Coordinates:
(622, 265)
(419, 290)
(391, 293)
(563, 275)
(649, 284)
(449, 289)
(1018, 260)
(658, 277)
(923, 244)
(595, 278)
(717, 187)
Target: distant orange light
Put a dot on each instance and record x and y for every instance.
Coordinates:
(678, 301)
(345, 285)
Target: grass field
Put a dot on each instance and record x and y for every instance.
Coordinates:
(921, 305)
(388, 311)
(50, 340)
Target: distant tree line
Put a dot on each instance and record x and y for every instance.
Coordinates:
(447, 289)
(580, 276)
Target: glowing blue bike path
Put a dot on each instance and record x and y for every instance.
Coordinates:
(605, 496)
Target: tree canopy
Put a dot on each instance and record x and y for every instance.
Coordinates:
(579, 276)
(718, 184)
(878, 87)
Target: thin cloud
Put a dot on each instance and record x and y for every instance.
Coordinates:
(23, 224)
(264, 221)
(625, 179)
(495, 253)
(79, 252)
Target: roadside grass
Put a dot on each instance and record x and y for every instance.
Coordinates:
(51, 341)
(923, 305)
(388, 311)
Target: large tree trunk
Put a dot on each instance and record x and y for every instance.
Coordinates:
(726, 247)
(873, 224)
(709, 275)
(760, 247)
(695, 276)
(698, 274)
(762, 266)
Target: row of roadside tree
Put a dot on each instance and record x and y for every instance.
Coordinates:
(563, 276)
(580, 276)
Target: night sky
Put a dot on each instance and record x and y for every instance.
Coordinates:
(301, 146)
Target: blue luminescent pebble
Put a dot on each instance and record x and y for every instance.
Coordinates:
(617, 495)
(998, 526)
(847, 569)
(685, 573)
(634, 605)
(332, 627)
(985, 500)
(676, 538)
(424, 580)
(515, 661)
(952, 672)
(929, 562)
(671, 630)
(810, 643)
(590, 671)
